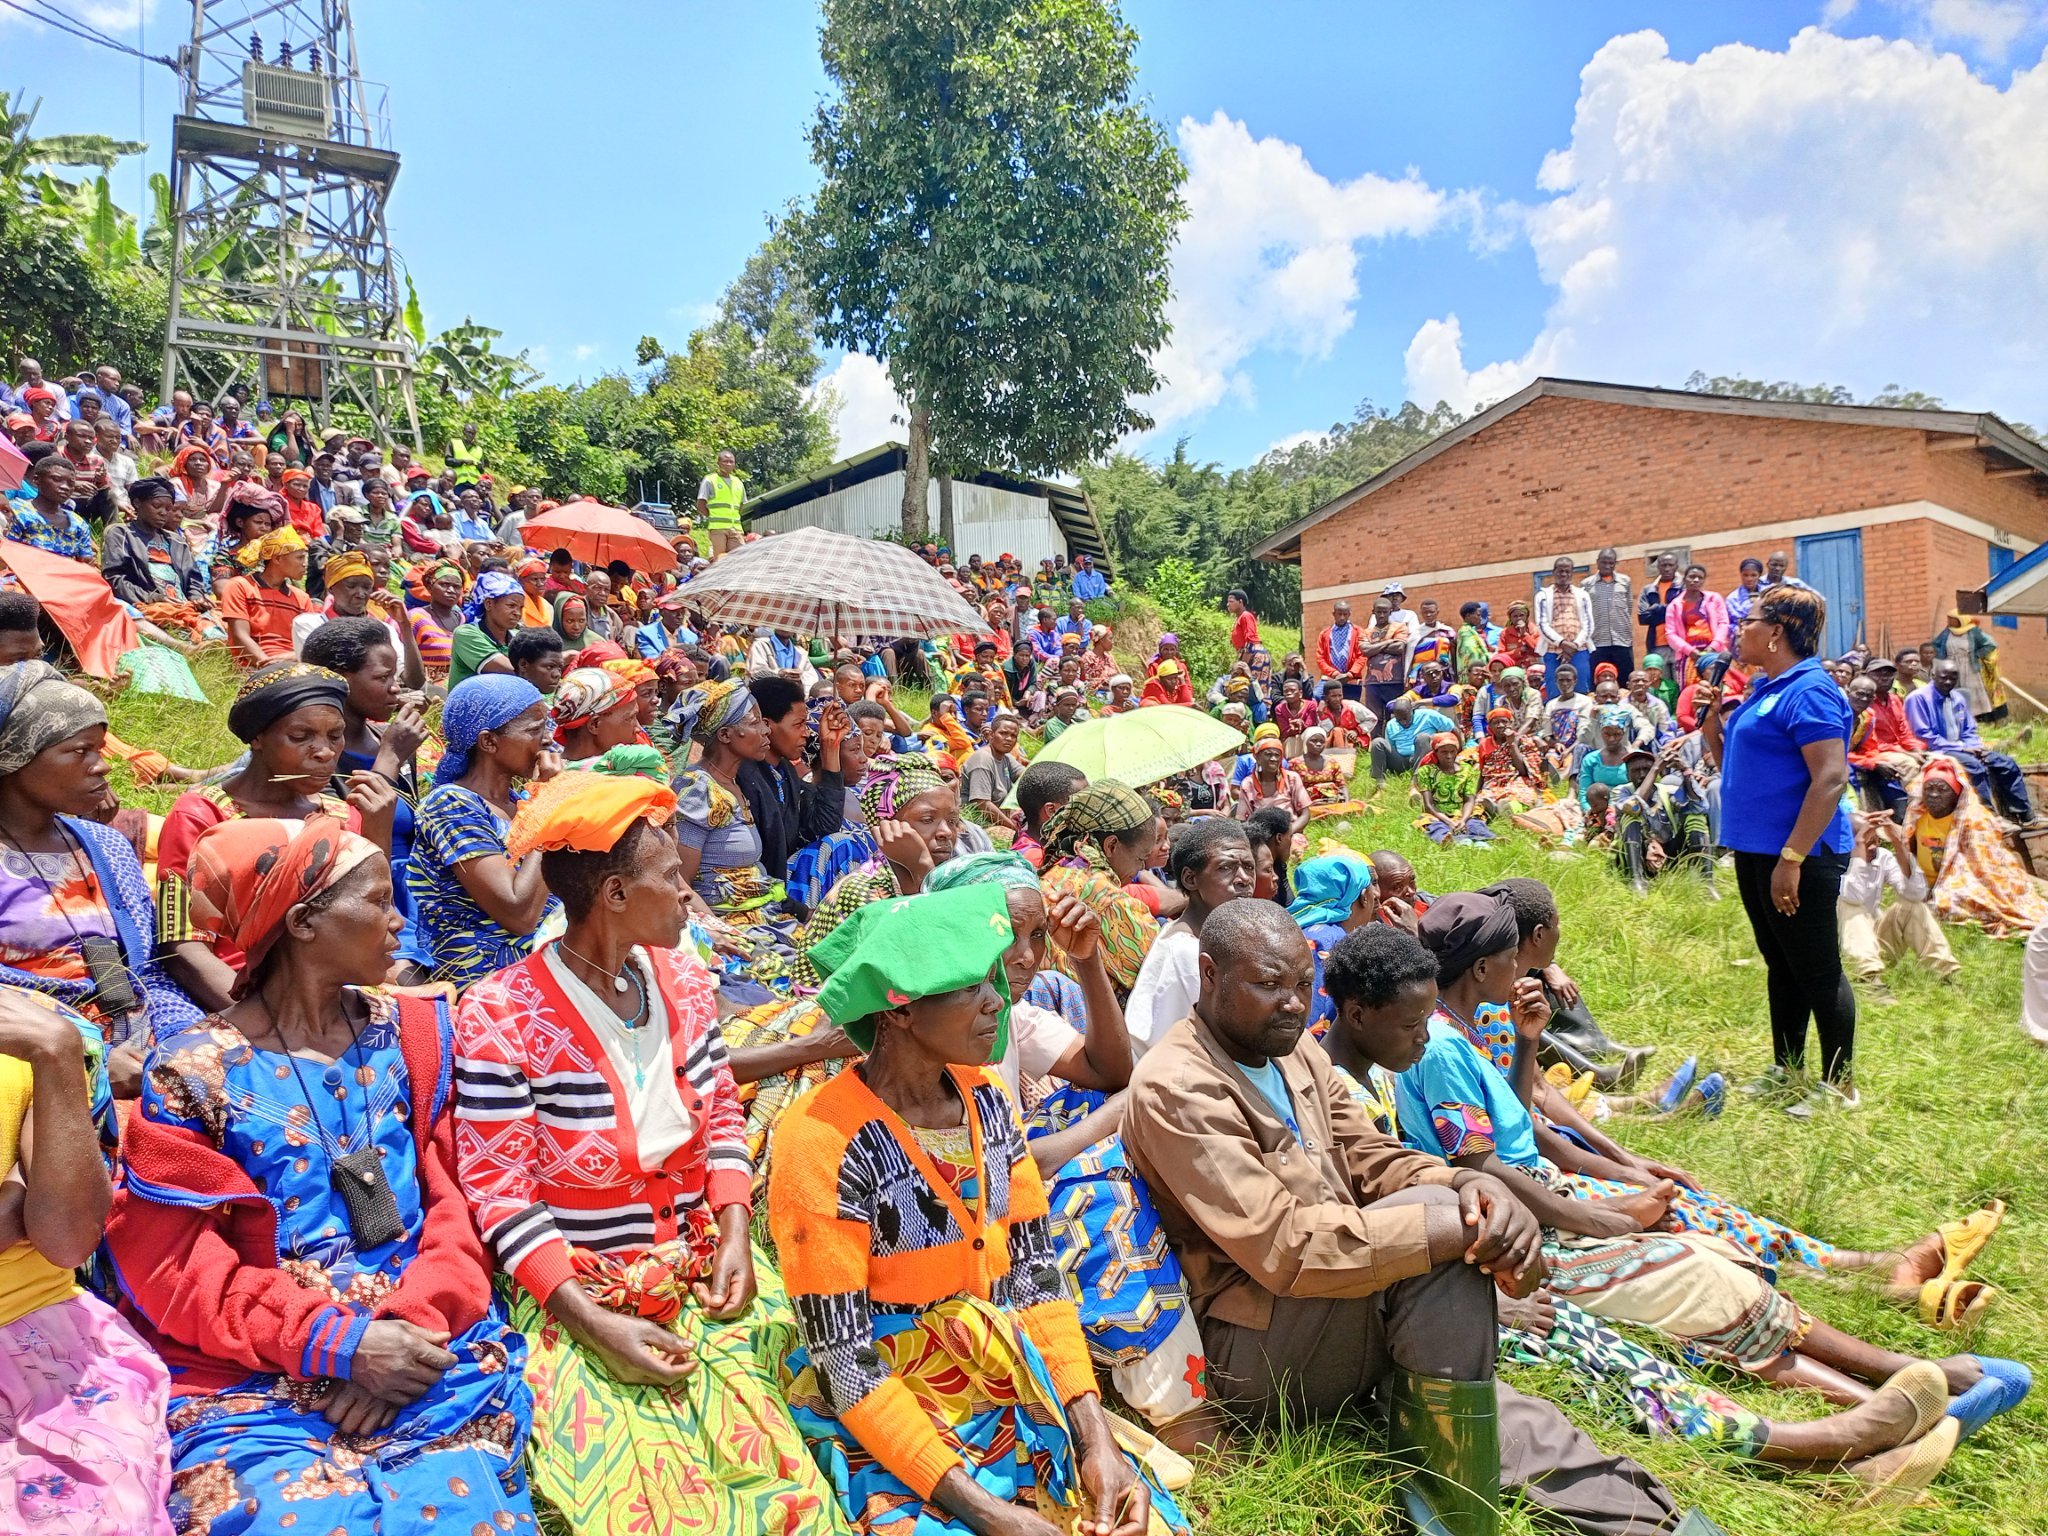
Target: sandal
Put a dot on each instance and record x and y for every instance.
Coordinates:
(1962, 1241)
(1953, 1304)
(1904, 1483)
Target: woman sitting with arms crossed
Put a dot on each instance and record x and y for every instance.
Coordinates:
(1134, 1308)
(944, 1379)
(290, 1236)
(83, 1450)
(601, 1147)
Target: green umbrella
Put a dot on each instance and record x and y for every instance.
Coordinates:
(1145, 745)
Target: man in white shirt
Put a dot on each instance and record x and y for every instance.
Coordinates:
(1873, 935)
(1564, 618)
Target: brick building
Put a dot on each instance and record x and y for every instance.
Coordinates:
(1888, 512)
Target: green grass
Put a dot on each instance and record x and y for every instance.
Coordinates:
(1955, 1111)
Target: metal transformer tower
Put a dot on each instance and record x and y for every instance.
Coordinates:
(282, 278)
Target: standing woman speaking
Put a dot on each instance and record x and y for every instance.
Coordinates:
(1784, 765)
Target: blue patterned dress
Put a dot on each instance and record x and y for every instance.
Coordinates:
(259, 1458)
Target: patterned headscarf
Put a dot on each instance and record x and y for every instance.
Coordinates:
(1103, 808)
(999, 865)
(1614, 715)
(38, 709)
(705, 710)
(585, 694)
(631, 670)
(271, 692)
(487, 702)
(247, 874)
(492, 584)
(279, 541)
(893, 780)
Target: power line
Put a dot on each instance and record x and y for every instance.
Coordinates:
(84, 33)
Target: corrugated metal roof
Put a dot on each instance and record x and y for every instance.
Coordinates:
(1068, 503)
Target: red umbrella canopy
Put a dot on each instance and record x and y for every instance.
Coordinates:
(597, 535)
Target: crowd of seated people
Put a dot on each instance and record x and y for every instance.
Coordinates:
(383, 1126)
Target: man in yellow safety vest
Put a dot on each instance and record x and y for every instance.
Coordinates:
(719, 500)
(464, 457)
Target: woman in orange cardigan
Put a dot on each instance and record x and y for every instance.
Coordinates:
(943, 1378)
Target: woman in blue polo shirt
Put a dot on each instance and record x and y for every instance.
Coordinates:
(1784, 765)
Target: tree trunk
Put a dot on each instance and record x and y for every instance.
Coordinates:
(917, 474)
(946, 511)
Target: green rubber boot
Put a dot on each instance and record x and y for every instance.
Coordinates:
(1450, 1432)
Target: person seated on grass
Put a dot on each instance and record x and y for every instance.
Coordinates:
(1271, 782)
(1447, 791)
(290, 1236)
(990, 771)
(1927, 1275)
(1334, 896)
(1169, 684)
(1327, 780)
(1271, 830)
(1661, 820)
(1401, 747)
(1607, 1254)
(1875, 936)
(83, 1444)
(1958, 845)
(1328, 1265)
(1066, 1070)
(942, 1373)
(1383, 986)
(1210, 862)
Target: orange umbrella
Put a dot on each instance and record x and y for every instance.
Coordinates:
(78, 598)
(597, 535)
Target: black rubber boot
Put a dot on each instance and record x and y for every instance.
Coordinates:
(1607, 1076)
(1450, 1432)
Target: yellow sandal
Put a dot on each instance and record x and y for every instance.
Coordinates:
(1952, 1304)
(1962, 1241)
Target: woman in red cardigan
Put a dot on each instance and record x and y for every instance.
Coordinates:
(604, 1153)
(289, 1235)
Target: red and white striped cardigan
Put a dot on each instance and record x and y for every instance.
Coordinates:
(544, 1144)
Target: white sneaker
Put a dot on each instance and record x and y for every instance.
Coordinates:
(1825, 1099)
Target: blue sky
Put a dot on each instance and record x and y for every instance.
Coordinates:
(1387, 202)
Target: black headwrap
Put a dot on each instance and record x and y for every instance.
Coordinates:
(274, 691)
(1463, 928)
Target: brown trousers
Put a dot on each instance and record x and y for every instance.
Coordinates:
(1321, 1357)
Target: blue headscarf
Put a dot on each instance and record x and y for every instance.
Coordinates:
(1327, 888)
(491, 584)
(487, 702)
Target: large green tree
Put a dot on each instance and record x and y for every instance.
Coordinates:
(993, 224)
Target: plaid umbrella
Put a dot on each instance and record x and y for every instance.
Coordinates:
(597, 535)
(815, 582)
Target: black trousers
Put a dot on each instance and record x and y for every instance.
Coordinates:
(1623, 657)
(1803, 959)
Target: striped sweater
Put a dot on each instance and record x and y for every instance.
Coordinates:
(544, 1145)
(864, 1223)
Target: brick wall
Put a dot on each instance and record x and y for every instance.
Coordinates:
(1564, 475)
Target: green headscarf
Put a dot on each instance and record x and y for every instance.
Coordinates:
(1103, 808)
(998, 865)
(894, 952)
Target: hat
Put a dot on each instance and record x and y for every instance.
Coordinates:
(1234, 712)
(324, 453)
(1638, 752)
(1121, 677)
(671, 602)
(1168, 668)
(891, 953)
(1880, 664)
(417, 472)
(1071, 637)
(1393, 589)
(342, 514)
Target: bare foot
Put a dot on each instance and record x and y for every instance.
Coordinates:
(1647, 1207)
(1963, 1372)
(1921, 1262)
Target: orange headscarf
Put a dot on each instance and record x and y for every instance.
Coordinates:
(587, 812)
(246, 874)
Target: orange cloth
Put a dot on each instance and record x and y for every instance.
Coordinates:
(79, 602)
(585, 811)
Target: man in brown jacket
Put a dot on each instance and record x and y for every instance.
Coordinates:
(1327, 1264)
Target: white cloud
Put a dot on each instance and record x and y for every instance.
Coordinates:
(1986, 27)
(116, 16)
(1853, 210)
(866, 410)
(1292, 441)
(1268, 258)
(584, 351)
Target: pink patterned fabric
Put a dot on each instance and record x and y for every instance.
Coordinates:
(83, 1448)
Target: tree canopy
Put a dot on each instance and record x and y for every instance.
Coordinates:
(993, 224)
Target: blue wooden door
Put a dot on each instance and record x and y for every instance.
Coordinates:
(2001, 557)
(1832, 564)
